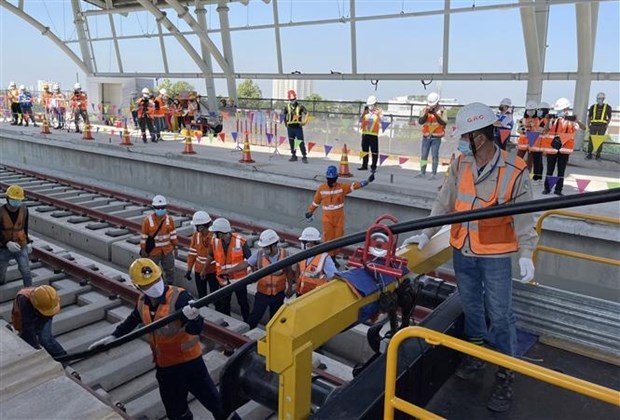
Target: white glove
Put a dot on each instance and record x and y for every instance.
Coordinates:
(420, 239)
(13, 247)
(29, 248)
(527, 269)
(190, 312)
(105, 340)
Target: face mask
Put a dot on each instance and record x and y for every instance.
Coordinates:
(465, 148)
(304, 246)
(160, 212)
(600, 101)
(293, 102)
(156, 290)
(268, 251)
(561, 113)
(331, 182)
(539, 113)
(371, 107)
(530, 112)
(14, 203)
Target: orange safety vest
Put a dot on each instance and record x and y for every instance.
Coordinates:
(332, 199)
(432, 127)
(494, 236)
(13, 232)
(150, 107)
(560, 126)
(58, 100)
(198, 252)
(46, 98)
(163, 108)
(166, 238)
(526, 124)
(170, 344)
(312, 275)
(371, 122)
(14, 95)
(273, 283)
(79, 100)
(16, 312)
(230, 257)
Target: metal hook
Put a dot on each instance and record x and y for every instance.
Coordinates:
(375, 83)
(424, 83)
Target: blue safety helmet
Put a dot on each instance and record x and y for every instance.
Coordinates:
(332, 172)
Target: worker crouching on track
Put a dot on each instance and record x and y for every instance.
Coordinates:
(271, 289)
(14, 242)
(33, 310)
(177, 352)
(158, 240)
(313, 271)
(199, 249)
(482, 177)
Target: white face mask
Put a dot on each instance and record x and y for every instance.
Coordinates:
(156, 290)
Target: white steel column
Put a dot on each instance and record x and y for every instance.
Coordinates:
(222, 10)
(80, 22)
(533, 31)
(445, 61)
(353, 39)
(162, 47)
(276, 27)
(201, 13)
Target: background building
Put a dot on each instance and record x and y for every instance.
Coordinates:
(281, 88)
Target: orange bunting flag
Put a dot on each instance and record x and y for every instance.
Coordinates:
(310, 146)
(503, 135)
(222, 137)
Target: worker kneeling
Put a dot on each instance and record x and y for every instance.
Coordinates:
(317, 270)
(176, 347)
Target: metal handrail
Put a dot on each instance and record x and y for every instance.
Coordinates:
(434, 338)
(568, 253)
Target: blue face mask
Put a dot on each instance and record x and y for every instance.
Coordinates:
(293, 102)
(600, 101)
(160, 212)
(14, 203)
(465, 148)
(539, 114)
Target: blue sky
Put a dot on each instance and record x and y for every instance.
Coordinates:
(488, 41)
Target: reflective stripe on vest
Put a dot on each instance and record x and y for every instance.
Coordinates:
(231, 257)
(275, 282)
(494, 236)
(602, 118)
(170, 344)
(432, 127)
(293, 117)
(371, 123)
(528, 124)
(311, 275)
(14, 232)
(16, 312)
(563, 126)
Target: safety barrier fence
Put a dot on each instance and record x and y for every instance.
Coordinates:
(398, 228)
(434, 338)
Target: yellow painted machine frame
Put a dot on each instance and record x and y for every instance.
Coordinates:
(308, 322)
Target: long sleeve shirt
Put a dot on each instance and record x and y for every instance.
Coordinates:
(32, 322)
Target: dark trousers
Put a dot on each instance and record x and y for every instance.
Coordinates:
(296, 132)
(261, 303)
(201, 284)
(537, 160)
(370, 143)
(562, 161)
(49, 343)
(145, 123)
(16, 109)
(175, 382)
(597, 130)
(28, 115)
(134, 117)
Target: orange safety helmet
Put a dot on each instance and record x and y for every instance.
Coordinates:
(292, 95)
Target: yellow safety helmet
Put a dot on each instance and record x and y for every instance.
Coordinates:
(46, 86)
(15, 192)
(144, 271)
(45, 300)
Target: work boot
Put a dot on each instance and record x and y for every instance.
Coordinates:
(304, 159)
(545, 192)
(20, 123)
(589, 156)
(293, 159)
(27, 123)
(432, 177)
(597, 158)
(470, 367)
(421, 175)
(502, 392)
(556, 192)
(362, 168)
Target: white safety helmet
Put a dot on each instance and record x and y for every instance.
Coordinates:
(561, 104)
(530, 105)
(12, 85)
(77, 86)
(544, 105)
(146, 90)
(220, 225)
(159, 201)
(56, 87)
(200, 218)
(22, 87)
(432, 99)
(473, 117)
(505, 102)
(163, 92)
(600, 95)
(310, 234)
(372, 99)
(268, 237)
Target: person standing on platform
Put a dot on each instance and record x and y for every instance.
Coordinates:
(433, 130)
(313, 271)
(14, 100)
(25, 103)
(295, 117)
(559, 144)
(370, 122)
(536, 150)
(46, 102)
(160, 112)
(146, 108)
(14, 241)
(59, 107)
(504, 121)
(484, 176)
(31, 316)
(272, 289)
(177, 353)
(227, 250)
(158, 240)
(79, 105)
(331, 196)
(528, 124)
(199, 249)
(599, 116)
(133, 108)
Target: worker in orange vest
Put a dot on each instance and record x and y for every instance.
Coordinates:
(485, 176)
(370, 122)
(158, 239)
(272, 289)
(79, 105)
(146, 110)
(560, 143)
(331, 196)
(161, 112)
(46, 102)
(199, 250)
(176, 348)
(313, 271)
(59, 107)
(433, 130)
(14, 241)
(536, 150)
(528, 124)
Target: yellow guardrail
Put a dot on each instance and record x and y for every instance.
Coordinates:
(434, 338)
(573, 254)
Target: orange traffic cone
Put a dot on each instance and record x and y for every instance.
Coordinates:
(87, 134)
(344, 163)
(126, 139)
(189, 149)
(247, 157)
(45, 128)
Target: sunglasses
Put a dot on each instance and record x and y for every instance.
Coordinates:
(160, 208)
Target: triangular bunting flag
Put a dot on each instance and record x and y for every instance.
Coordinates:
(363, 155)
(281, 118)
(612, 185)
(297, 143)
(503, 134)
(210, 136)
(597, 141)
(402, 160)
(212, 114)
(234, 135)
(384, 125)
(222, 137)
(310, 119)
(328, 149)
(582, 184)
(531, 175)
(423, 162)
(532, 136)
(382, 159)
(281, 140)
(310, 146)
(198, 135)
(551, 181)
(112, 133)
(269, 137)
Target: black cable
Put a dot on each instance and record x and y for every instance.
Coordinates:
(545, 204)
